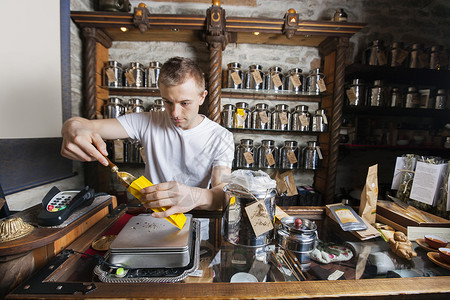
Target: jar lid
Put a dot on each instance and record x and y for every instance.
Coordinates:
(242, 105)
(441, 91)
(247, 142)
(412, 89)
(281, 107)
(275, 69)
(302, 108)
(295, 71)
(255, 67)
(155, 64)
(268, 142)
(113, 63)
(115, 100)
(397, 45)
(307, 227)
(261, 106)
(357, 81)
(136, 65)
(320, 112)
(229, 107)
(159, 102)
(135, 101)
(290, 143)
(234, 65)
(312, 144)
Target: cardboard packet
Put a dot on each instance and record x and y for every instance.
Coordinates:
(369, 196)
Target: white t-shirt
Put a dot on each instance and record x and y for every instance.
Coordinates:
(187, 156)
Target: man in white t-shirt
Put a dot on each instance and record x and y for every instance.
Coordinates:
(186, 153)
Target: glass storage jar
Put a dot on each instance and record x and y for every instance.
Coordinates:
(114, 108)
(441, 99)
(228, 112)
(398, 55)
(135, 105)
(319, 121)
(276, 79)
(312, 81)
(301, 118)
(255, 77)
(357, 93)
(294, 80)
(375, 54)
(281, 117)
(246, 153)
(310, 156)
(396, 98)
(235, 76)
(242, 117)
(412, 98)
(376, 94)
(158, 105)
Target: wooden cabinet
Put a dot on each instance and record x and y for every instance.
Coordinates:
(99, 29)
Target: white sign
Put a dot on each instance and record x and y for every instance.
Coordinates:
(426, 183)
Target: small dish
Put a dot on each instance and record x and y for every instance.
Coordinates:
(434, 257)
(423, 245)
(243, 277)
(102, 244)
(444, 253)
(435, 241)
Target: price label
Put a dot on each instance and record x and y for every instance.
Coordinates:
(401, 56)
(110, 75)
(295, 80)
(249, 157)
(325, 119)
(304, 120)
(240, 118)
(283, 118)
(152, 78)
(257, 77)
(276, 80)
(263, 117)
(319, 152)
(322, 86)
(259, 218)
(351, 94)
(130, 77)
(236, 78)
(291, 157)
(270, 159)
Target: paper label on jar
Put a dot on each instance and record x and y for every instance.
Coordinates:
(351, 94)
(130, 77)
(325, 119)
(257, 77)
(322, 86)
(319, 152)
(401, 56)
(259, 218)
(295, 80)
(152, 77)
(381, 58)
(276, 80)
(304, 120)
(110, 75)
(249, 157)
(270, 159)
(240, 117)
(263, 117)
(291, 157)
(236, 78)
(118, 150)
(283, 118)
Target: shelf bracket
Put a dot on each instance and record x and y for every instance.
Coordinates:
(140, 17)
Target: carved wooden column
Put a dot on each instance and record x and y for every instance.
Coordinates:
(91, 37)
(336, 117)
(217, 41)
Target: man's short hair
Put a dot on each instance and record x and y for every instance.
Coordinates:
(177, 70)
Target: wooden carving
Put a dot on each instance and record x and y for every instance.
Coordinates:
(290, 23)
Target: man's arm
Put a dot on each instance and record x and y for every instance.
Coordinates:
(83, 138)
(179, 198)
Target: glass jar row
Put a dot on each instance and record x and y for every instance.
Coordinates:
(135, 75)
(278, 118)
(268, 155)
(115, 107)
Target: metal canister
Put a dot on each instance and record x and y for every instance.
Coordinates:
(112, 74)
(242, 117)
(235, 76)
(135, 75)
(276, 79)
(435, 58)
(375, 54)
(301, 118)
(281, 117)
(255, 77)
(396, 98)
(412, 98)
(135, 105)
(376, 94)
(398, 55)
(418, 58)
(247, 158)
(357, 94)
(441, 99)
(261, 116)
(114, 108)
(294, 80)
(158, 105)
(153, 74)
(319, 121)
(228, 112)
(312, 81)
(289, 155)
(267, 154)
(310, 156)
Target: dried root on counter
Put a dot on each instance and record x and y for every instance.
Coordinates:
(401, 246)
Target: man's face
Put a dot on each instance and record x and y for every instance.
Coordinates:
(182, 103)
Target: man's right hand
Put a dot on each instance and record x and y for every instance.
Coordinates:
(83, 138)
